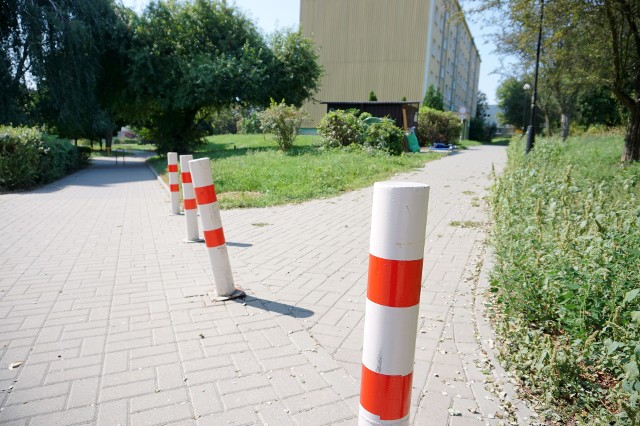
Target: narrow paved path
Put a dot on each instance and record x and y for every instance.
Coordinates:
(107, 309)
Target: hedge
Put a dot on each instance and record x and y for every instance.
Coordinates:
(29, 157)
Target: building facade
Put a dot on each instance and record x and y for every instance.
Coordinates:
(393, 48)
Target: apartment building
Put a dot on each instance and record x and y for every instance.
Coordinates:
(394, 48)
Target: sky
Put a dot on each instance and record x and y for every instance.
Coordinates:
(279, 14)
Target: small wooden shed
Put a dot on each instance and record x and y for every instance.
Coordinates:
(404, 113)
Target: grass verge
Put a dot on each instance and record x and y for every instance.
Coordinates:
(567, 278)
(249, 171)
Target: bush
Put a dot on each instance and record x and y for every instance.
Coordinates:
(250, 124)
(340, 128)
(29, 157)
(384, 136)
(566, 282)
(283, 122)
(437, 126)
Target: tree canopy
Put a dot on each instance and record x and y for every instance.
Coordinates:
(80, 66)
(53, 63)
(433, 99)
(586, 45)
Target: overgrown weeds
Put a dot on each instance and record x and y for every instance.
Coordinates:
(567, 278)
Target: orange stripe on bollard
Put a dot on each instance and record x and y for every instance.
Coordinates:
(214, 238)
(174, 187)
(172, 168)
(190, 204)
(388, 397)
(206, 195)
(186, 177)
(394, 283)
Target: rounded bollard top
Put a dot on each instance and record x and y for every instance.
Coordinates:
(184, 162)
(399, 220)
(390, 184)
(201, 172)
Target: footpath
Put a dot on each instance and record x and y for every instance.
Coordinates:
(104, 315)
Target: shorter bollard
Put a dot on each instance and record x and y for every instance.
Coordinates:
(174, 190)
(189, 201)
(212, 230)
(398, 227)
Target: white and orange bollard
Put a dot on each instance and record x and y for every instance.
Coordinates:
(174, 190)
(212, 230)
(398, 227)
(189, 201)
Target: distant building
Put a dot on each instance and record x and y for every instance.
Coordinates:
(492, 118)
(394, 48)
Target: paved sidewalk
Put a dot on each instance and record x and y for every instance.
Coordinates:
(105, 306)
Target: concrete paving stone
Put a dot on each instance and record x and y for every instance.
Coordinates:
(73, 374)
(162, 415)
(249, 397)
(325, 415)
(246, 363)
(342, 383)
(238, 384)
(67, 417)
(20, 396)
(158, 399)
(29, 409)
(127, 390)
(273, 414)
(307, 401)
(237, 417)
(83, 393)
(211, 375)
(205, 399)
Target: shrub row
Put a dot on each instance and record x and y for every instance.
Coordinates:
(29, 157)
(567, 281)
(342, 128)
(437, 126)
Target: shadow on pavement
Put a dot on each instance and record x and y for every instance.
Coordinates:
(102, 172)
(271, 306)
(231, 244)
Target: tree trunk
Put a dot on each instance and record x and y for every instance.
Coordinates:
(547, 125)
(108, 140)
(632, 138)
(564, 123)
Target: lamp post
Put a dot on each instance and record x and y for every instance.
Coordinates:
(532, 122)
(526, 88)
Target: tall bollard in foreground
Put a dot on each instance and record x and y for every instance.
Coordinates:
(189, 199)
(213, 233)
(174, 191)
(398, 226)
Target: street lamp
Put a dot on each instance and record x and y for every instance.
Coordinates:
(531, 134)
(526, 88)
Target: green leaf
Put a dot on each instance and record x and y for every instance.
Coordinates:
(631, 368)
(611, 346)
(635, 316)
(631, 295)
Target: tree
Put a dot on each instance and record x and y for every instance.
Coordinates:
(372, 96)
(433, 99)
(512, 101)
(55, 56)
(478, 129)
(295, 68)
(482, 106)
(214, 57)
(589, 44)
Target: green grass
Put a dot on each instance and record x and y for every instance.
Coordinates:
(127, 144)
(567, 280)
(250, 171)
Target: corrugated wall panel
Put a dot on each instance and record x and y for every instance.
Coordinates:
(367, 45)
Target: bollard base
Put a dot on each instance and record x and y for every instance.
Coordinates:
(176, 214)
(235, 295)
(198, 240)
